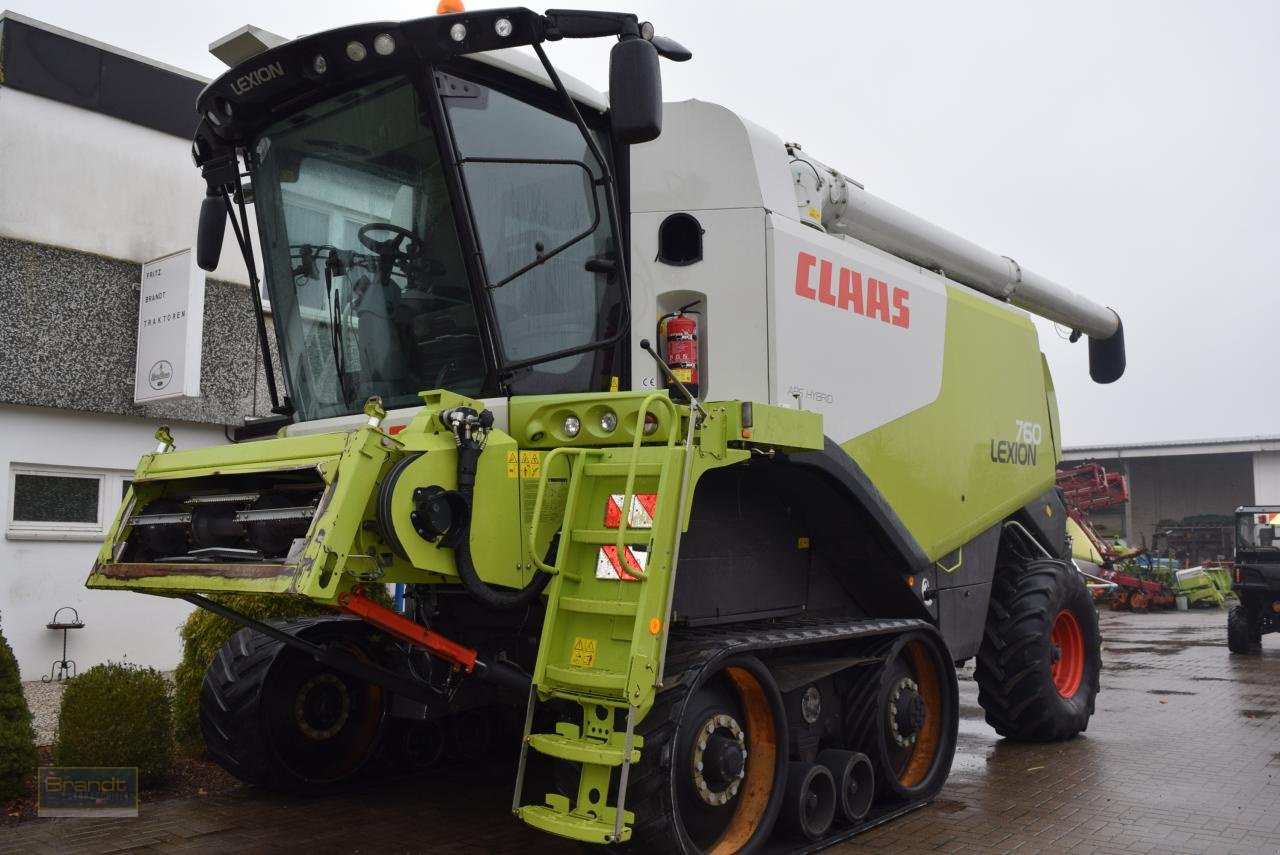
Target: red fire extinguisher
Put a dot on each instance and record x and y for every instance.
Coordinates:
(679, 331)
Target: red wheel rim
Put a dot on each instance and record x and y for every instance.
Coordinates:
(1068, 643)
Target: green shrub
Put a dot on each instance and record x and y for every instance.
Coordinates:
(117, 715)
(203, 635)
(17, 739)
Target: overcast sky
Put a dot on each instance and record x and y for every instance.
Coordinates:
(1130, 151)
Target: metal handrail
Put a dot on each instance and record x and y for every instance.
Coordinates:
(537, 506)
(628, 493)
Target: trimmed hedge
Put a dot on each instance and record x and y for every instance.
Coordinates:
(17, 738)
(203, 635)
(117, 715)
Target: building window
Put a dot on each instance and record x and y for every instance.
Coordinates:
(61, 503)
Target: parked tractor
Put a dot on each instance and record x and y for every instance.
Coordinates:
(1257, 578)
(721, 566)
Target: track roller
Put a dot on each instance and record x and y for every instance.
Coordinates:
(854, 779)
(809, 805)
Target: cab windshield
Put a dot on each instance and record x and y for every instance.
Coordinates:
(364, 259)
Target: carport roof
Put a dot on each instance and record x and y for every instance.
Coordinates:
(1175, 448)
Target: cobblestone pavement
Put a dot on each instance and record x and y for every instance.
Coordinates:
(1183, 756)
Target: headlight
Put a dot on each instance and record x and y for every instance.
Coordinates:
(383, 44)
(320, 65)
(608, 421)
(650, 424)
(458, 32)
(356, 51)
(502, 27)
(571, 426)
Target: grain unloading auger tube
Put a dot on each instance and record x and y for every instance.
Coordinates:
(839, 205)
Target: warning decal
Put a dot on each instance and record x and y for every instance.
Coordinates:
(609, 567)
(584, 652)
(524, 464)
(642, 510)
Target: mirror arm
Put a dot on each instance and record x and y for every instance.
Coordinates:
(240, 228)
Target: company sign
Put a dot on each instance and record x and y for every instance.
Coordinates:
(91, 791)
(170, 329)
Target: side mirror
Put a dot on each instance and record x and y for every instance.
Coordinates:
(213, 226)
(635, 91)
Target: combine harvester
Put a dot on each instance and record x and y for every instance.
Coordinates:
(723, 577)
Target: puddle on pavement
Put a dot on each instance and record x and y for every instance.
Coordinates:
(1167, 692)
(1257, 713)
(949, 805)
(1163, 650)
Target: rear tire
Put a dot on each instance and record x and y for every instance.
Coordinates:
(277, 719)
(1239, 632)
(1040, 661)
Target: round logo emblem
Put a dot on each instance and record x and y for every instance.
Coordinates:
(160, 375)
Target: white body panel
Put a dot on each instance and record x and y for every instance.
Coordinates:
(733, 312)
(857, 334)
(709, 157)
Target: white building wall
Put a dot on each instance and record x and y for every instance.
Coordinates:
(37, 576)
(1266, 477)
(85, 181)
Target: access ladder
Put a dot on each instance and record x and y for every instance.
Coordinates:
(605, 628)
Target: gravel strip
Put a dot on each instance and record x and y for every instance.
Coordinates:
(44, 700)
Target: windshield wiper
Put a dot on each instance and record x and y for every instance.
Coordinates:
(334, 301)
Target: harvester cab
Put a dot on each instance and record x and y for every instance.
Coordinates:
(540, 350)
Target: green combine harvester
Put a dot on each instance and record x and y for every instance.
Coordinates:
(699, 459)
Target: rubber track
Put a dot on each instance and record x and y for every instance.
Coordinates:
(691, 652)
(1013, 689)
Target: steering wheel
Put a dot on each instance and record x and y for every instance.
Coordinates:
(402, 243)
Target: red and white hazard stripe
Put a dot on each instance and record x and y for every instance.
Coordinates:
(609, 567)
(642, 510)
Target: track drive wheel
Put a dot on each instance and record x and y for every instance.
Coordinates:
(1041, 654)
(904, 717)
(713, 771)
(1240, 637)
(278, 719)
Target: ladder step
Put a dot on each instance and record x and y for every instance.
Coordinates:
(609, 536)
(587, 678)
(588, 751)
(597, 607)
(621, 470)
(587, 829)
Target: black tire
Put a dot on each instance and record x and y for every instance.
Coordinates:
(1024, 674)
(275, 718)
(1240, 635)
(912, 755)
(668, 817)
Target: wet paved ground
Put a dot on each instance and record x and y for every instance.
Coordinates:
(1183, 756)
